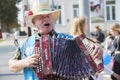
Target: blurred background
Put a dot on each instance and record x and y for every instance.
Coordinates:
(14, 12)
(98, 12)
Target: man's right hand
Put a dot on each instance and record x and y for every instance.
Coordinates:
(31, 61)
(18, 65)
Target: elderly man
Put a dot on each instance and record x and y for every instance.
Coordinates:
(43, 19)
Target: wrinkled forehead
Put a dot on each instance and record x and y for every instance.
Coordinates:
(42, 16)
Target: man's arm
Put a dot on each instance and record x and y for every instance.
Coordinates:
(17, 65)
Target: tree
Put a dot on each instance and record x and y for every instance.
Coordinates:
(8, 13)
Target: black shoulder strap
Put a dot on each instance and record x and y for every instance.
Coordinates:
(17, 55)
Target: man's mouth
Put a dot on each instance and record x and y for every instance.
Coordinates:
(46, 24)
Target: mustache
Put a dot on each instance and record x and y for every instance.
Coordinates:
(46, 23)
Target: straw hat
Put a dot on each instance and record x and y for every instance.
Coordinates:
(41, 9)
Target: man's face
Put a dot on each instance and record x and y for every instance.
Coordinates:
(43, 23)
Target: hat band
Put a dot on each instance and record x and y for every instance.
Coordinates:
(43, 10)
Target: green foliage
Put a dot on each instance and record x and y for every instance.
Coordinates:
(1, 41)
(8, 12)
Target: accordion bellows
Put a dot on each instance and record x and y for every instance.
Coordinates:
(65, 58)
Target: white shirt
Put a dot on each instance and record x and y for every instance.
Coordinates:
(16, 34)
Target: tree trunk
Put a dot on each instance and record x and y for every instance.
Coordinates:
(7, 26)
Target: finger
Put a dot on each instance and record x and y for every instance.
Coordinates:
(33, 65)
(35, 56)
(100, 51)
(95, 50)
(35, 59)
(98, 54)
(34, 62)
(92, 46)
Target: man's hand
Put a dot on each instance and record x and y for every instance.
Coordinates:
(31, 61)
(18, 65)
(97, 52)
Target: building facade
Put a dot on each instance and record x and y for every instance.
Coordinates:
(70, 9)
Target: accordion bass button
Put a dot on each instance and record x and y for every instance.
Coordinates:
(37, 67)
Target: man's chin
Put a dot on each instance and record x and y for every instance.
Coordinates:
(44, 32)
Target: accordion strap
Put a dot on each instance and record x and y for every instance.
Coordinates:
(91, 40)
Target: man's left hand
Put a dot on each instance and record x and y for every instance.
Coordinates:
(97, 52)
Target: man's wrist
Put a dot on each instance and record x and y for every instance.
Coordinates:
(22, 64)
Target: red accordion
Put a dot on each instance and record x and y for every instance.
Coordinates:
(85, 46)
(65, 58)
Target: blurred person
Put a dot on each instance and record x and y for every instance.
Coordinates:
(99, 35)
(16, 35)
(80, 27)
(92, 6)
(97, 8)
(115, 30)
(43, 19)
(109, 47)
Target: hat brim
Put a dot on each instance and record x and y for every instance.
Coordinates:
(55, 15)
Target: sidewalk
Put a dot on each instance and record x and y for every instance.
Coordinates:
(10, 40)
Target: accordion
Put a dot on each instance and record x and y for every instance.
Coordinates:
(65, 58)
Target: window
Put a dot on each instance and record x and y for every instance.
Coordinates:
(110, 10)
(75, 10)
(58, 7)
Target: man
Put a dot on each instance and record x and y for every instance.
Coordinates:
(43, 19)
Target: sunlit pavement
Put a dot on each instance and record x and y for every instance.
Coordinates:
(7, 49)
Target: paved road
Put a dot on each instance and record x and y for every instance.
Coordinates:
(7, 49)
